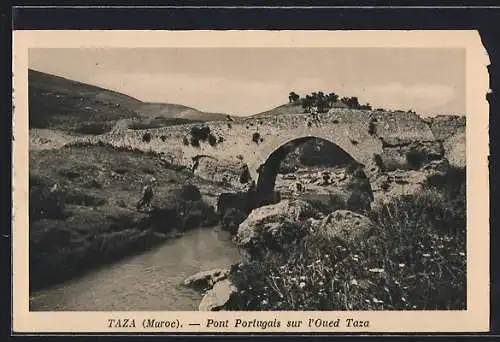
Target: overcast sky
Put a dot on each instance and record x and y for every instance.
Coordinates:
(245, 81)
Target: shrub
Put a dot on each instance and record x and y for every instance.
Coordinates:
(146, 137)
(194, 142)
(148, 170)
(121, 170)
(185, 141)
(232, 219)
(358, 202)
(421, 239)
(334, 202)
(94, 128)
(372, 128)
(229, 125)
(385, 185)
(69, 174)
(220, 140)
(353, 168)
(193, 219)
(256, 137)
(83, 199)
(163, 138)
(93, 184)
(286, 169)
(190, 192)
(200, 133)
(212, 140)
(44, 203)
(378, 161)
(415, 159)
(452, 182)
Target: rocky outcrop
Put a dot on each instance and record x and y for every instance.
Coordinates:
(219, 170)
(206, 280)
(411, 156)
(455, 150)
(445, 126)
(275, 225)
(219, 297)
(347, 226)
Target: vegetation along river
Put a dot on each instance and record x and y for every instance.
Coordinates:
(146, 282)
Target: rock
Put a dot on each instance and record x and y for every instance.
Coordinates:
(431, 150)
(455, 150)
(274, 219)
(444, 126)
(206, 279)
(346, 226)
(219, 297)
(218, 170)
(410, 156)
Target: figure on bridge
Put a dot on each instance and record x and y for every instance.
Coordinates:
(245, 176)
(147, 194)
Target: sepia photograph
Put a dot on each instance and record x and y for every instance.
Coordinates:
(247, 178)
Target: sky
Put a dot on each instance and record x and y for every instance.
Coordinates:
(246, 81)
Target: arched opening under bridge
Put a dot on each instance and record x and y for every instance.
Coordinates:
(331, 155)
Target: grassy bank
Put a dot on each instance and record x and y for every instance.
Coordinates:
(415, 260)
(83, 208)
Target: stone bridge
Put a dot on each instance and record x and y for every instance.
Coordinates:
(361, 134)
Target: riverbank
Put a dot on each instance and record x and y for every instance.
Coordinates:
(147, 281)
(83, 214)
(406, 254)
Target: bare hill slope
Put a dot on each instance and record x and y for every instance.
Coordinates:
(171, 110)
(59, 103)
(288, 108)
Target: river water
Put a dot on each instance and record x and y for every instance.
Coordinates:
(151, 281)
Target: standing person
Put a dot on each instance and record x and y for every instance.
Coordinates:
(147, 194)
(245, 176)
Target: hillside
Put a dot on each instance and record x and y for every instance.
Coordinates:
(59, 103)
(170, 110)
(83, 212)
(288, 108)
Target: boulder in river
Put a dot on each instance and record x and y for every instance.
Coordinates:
(219, 297)
(205, 280)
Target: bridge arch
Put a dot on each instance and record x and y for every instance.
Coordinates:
(269, 165)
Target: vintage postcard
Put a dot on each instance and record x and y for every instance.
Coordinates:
(250, 181)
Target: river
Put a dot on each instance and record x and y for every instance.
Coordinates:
(151, 281)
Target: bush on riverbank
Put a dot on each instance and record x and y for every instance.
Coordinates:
(415, 260)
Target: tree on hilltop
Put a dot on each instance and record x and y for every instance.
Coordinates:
(352, 102)
(293, 97)
(332, 98)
